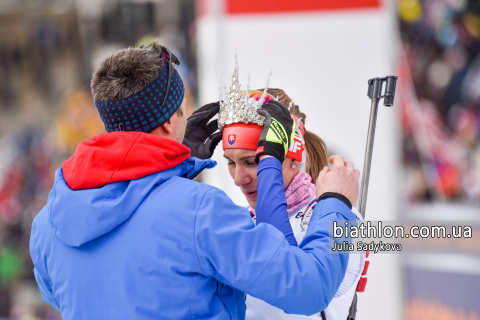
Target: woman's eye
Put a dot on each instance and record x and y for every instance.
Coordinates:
(231, 163)
(251, 164)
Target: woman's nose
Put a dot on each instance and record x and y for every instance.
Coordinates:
(241, 177)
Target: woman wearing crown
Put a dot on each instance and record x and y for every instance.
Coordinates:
(241, 125)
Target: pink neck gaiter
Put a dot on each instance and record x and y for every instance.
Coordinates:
(300, 192)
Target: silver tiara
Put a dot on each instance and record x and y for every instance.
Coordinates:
(239, 108)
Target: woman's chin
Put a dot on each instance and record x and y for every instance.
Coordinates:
(252, 203)
(251, 200)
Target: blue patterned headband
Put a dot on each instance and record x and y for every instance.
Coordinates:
(147, 109)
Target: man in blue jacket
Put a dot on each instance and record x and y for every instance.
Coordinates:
(126, 233)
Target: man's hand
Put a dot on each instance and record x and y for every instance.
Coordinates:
(342, 178)
(200, 136)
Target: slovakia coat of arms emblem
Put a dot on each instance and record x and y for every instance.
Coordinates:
(231, 139)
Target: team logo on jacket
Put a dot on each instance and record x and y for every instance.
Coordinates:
(232, 138)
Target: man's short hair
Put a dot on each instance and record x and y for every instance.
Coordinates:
(127, 72)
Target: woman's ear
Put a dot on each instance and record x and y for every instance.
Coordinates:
(295, 164)
(292, 163)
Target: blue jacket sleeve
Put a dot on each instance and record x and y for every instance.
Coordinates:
(40, 270)
(259, 261)
(271, 204)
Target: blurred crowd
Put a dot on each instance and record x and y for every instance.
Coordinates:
(25, 182)
(440, 108)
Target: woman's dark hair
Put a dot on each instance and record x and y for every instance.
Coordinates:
(315, 147)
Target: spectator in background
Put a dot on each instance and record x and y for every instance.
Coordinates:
(442, 45)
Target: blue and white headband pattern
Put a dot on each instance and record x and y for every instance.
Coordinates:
(143, 111)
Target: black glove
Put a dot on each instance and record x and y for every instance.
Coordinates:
(277, 133)
(201, 137)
